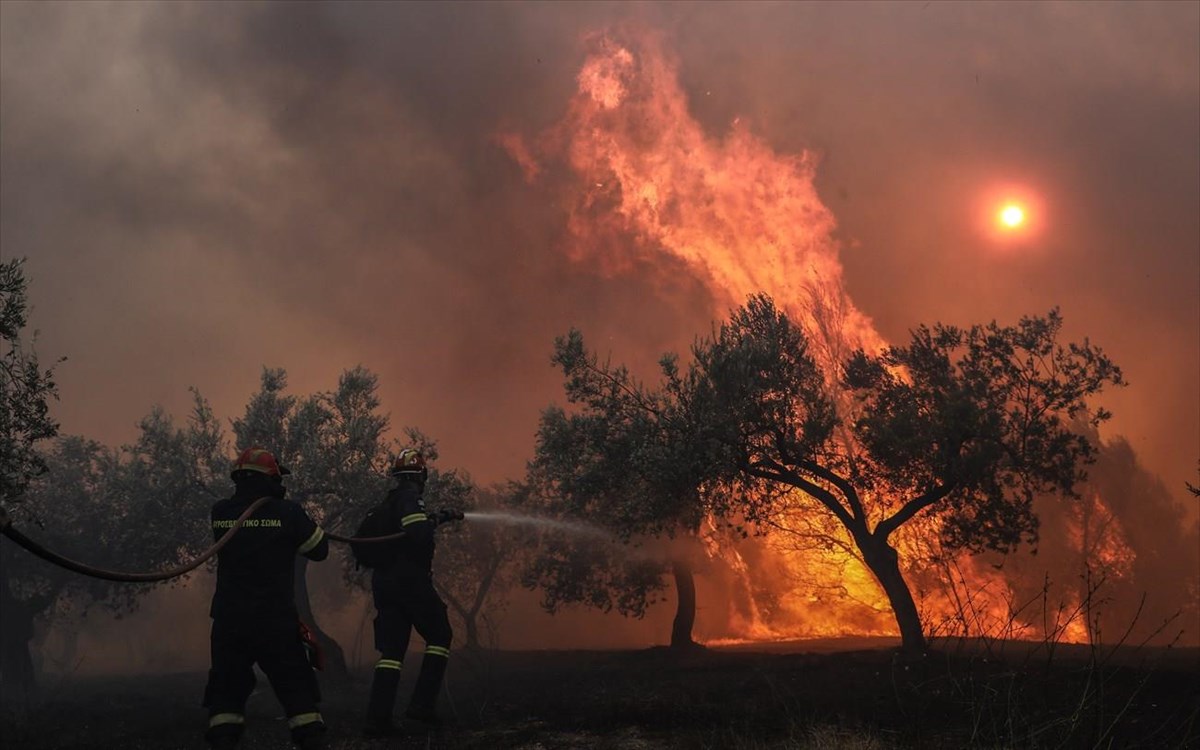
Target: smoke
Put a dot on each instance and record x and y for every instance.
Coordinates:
(202, 190)
(1125, 537)
(180, 174)
(646, 185)
(164, 634)
(279, 185)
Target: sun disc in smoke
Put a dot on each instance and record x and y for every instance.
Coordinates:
(1010, 214)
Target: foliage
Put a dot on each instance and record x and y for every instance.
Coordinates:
(966, 425)
(618, 461)
(476, 562)
(25, 390)
(145, 505)
(978, 421)
(1124, 528)
(333, 442)
(139, 507)
(337, 447)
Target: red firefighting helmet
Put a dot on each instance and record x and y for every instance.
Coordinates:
(410, 461)
(257, 459)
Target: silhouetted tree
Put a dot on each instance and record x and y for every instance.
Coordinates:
(337, 446)
(624, 460)
(141, 507)
(966, 424)
(1125, 534)
(25, 390)
(146, 505)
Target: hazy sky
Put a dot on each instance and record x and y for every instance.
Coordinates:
(205, 189)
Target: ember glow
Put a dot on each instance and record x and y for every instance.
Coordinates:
(650, 184)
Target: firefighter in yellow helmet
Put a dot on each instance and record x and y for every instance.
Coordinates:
(405, 599)
(254, 610)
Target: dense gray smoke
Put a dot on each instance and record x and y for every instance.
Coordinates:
(205, 189)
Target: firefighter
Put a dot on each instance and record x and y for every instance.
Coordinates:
(405, 599)
(254, 609)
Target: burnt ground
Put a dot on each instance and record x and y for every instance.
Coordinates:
(791, 696)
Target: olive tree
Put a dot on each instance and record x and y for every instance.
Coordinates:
(337, 445)
(625, 459)
(964, 425)
(140, 507)
(26, 390)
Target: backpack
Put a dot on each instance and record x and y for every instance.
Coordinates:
(379, 521)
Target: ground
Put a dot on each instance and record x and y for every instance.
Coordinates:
(859, 694)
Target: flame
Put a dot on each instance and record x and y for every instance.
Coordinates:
(651, 184)
(1099, 538)
(739, 215)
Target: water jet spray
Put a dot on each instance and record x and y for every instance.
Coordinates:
(516, 519)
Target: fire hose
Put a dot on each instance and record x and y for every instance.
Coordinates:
(6, 528)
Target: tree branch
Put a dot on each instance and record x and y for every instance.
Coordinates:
(634, 393)
(842, 484)
(787, 476)
(910, 509)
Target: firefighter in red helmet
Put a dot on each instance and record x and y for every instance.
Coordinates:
(254, 610)
(405, 599)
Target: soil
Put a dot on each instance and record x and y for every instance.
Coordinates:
(839, 694)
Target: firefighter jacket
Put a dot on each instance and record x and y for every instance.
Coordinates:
(256, 570)
(414, 557)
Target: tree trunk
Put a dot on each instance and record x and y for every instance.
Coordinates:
(884, 563)
(472, 633)
(335, 658)
(467, 616)
(685, 610)
(16, 630)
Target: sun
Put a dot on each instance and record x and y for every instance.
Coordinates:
(1011, 216)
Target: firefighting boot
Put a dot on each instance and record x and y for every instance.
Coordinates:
(422, 707)
(384, 685)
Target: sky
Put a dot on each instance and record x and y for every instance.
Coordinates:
(202, 190)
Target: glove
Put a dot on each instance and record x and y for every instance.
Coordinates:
(447, 514)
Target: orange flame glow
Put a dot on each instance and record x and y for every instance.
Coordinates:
(651, 184)
(739, 215)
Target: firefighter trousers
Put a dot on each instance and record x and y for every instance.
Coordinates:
(403, 605)
(277, 649)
